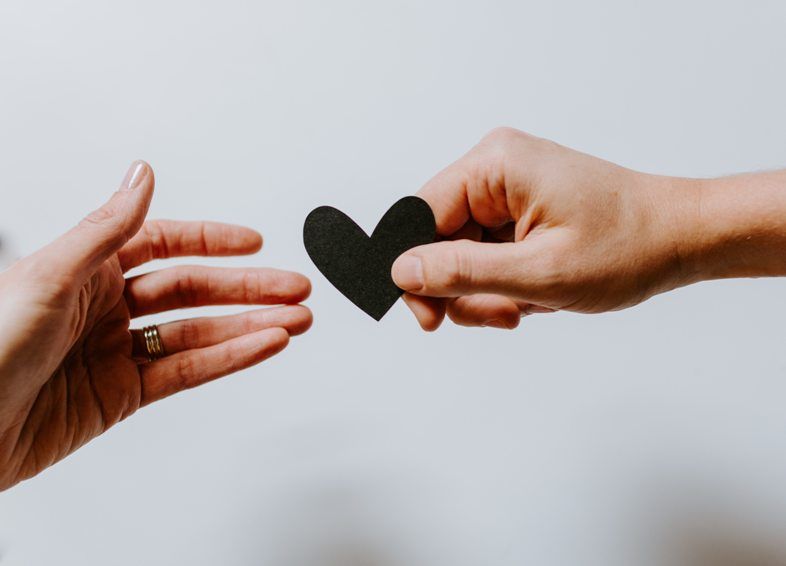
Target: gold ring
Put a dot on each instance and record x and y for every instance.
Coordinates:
(153, 344)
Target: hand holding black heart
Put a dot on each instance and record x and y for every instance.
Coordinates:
(359, 265)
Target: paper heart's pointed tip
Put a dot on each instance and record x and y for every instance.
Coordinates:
(378, 315)
(359, 265)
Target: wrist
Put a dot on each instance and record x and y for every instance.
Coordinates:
(731, 226)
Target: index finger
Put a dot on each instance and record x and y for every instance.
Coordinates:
(471, 188)
(160, 239)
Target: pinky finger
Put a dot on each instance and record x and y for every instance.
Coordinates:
(496, 311)
(192, 368)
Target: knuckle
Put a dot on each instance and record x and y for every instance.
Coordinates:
(100, 217)
(110, 220)
(502, 134)
(459, 269)
(204, 239)
(228, 359)
(159, 247)
(464, 269)
(497, 147)
(546, 149)
(234, 359)
(456, 316)
(250, 287)
(501, 139)
(186, 288)
(548, 267)
(186, 371)
(247, 325)
(190, 334)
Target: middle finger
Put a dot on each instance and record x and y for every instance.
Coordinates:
(196, 286)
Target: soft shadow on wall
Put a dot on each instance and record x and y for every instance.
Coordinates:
(729, 549)
(7, 256)
(347, 512)
(725, 529)
(330, 526)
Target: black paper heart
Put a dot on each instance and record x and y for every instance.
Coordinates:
(359, 265)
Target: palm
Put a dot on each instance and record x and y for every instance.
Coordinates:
(98, 373)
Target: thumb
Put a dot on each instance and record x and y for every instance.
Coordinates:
(463, 267)
(82, 250)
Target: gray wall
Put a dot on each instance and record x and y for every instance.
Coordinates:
(654, 435)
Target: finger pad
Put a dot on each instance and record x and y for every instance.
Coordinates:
(271, 342)
(429, 312)
(297, 320)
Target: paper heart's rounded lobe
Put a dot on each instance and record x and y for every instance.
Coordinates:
(359, 265)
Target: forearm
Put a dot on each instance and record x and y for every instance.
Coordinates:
(735, 226)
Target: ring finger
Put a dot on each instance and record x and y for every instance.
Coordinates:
(195, 333)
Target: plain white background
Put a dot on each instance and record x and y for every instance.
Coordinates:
(651, 436)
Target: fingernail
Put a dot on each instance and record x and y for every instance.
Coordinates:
(535, 309)
(408, 273)
(499, 323)
(136, 174)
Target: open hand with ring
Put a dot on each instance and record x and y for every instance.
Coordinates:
(70, 364)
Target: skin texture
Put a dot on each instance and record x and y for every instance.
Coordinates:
(534, 227)
(70, 367)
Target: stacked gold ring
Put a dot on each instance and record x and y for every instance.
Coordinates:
(153, 344)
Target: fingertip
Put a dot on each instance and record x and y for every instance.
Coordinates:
(508, 319)
(149, 169)
(295, 319)
(272, 341)
(143, 163)
(431, 323)
(253, 240)
(301, 320)
(499, 323)
(508, 322)
(139, 176)
(217, 238)
(306, 288)
(134, 196)
(252, 349)
(494, 311)
(429, 312)
(407, 272)
(297, 287)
